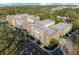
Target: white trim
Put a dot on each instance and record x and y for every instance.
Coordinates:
(50, 24)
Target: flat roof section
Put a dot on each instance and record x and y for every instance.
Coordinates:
(50, 31)
(42, 29)
(47, 22)
(38, 27)
(60, 26)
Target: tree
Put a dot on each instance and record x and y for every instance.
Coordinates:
(54, 41)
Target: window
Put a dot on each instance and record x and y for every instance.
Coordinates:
(39, 42)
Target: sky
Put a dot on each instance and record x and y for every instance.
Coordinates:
(39, 1)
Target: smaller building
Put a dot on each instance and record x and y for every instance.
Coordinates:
(66, 19)
(46, 23)
(64, 28)
(16, 20)
(20, 20)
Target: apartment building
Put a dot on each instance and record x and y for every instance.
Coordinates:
(20, 20)
(16, 20)
(43, 30)
(64, 28)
